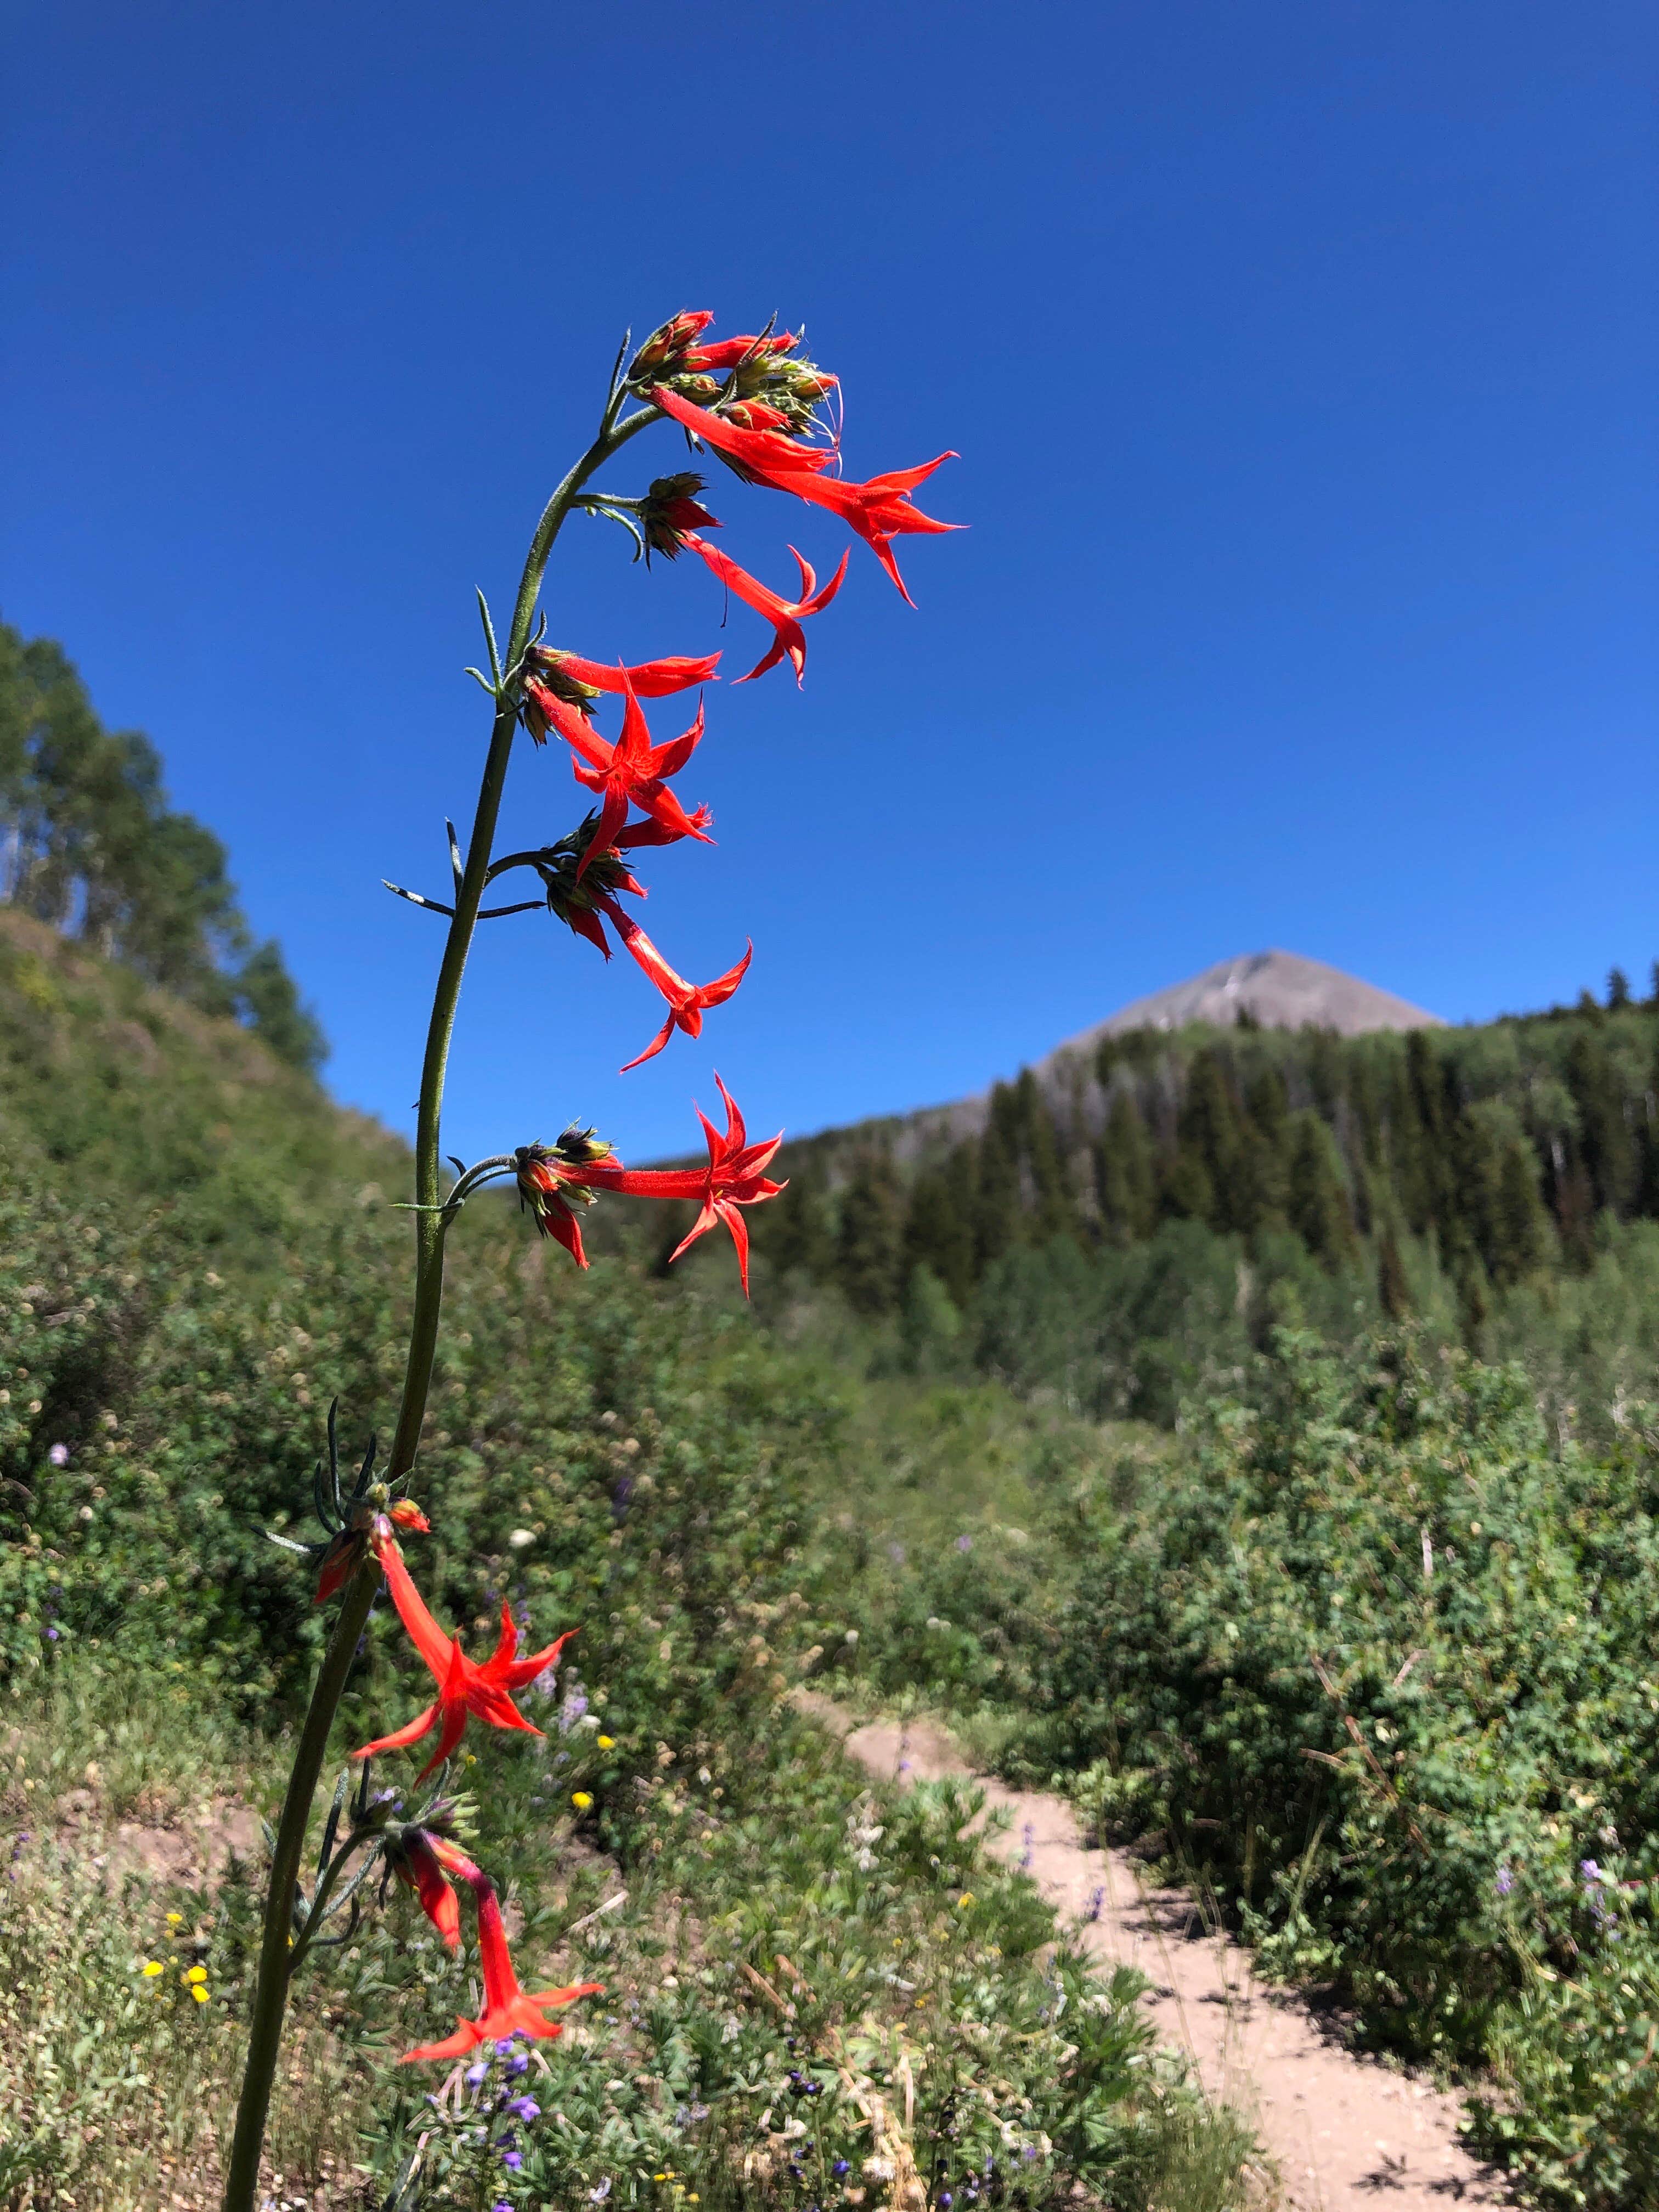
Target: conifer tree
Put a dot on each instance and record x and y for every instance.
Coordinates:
(1605, 1144)
(870, 1235)
(1392, 1290)
(1052, 1208)
(938, 1229)
(1521, 1239)
(1205, 1181)
(1125, 1174)
(794, 1231)
(1319, 1209)
(1267, 1149)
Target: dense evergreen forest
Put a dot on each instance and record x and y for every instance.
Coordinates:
(1503, 1143)
(88, 843)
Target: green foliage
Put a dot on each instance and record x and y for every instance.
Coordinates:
(89, 844)
(1372, 1661)
(605, 1451)
(1445, 1173)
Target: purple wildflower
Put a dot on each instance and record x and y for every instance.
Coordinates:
(1505, 1881)
(524, 2108)
(963, 1544)
(513, 2160)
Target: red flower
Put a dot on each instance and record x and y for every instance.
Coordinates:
(735, 1177)
(686, 1002)
(419, 1858)
(508, 2009)
(578, 682)
(633, 771)
(784, 615)
(345, 1555)
(877, 511)
(464, 1686)
(726, 353)
(765, 455)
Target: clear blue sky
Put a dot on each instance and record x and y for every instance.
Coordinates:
(1302, 358)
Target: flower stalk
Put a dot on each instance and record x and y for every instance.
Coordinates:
(275, 1971)
(753, 403)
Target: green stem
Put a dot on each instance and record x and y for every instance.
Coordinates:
(270, 1990)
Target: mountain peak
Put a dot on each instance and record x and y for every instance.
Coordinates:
(1279, 990)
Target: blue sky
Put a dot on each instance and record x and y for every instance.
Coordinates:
(1301, 359)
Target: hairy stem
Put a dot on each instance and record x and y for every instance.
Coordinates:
(431, 1225)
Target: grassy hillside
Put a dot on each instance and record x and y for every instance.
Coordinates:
(197, 1252)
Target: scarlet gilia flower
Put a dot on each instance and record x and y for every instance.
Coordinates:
(578, 682)
(764, 457)
(508, 2009)
(734, 1177)
(349, 1548)
(687, 1002)
(728, 353)
(419, 1858)
(552, 1178)
(574, 897)
(632, 772)
(464, 1688)
(669, 510)
(785, 616)
(877, 511)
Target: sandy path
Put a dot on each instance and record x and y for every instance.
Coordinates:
(1347, 2134)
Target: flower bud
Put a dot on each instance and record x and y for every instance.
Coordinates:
(668, 345)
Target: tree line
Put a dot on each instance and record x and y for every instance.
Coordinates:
(89, 844)
(1500, 1144)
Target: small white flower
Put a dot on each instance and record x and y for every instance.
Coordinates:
(520, 1538)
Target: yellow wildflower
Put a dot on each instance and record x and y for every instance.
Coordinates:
(174, 1919)
(153, 1967)
(605, 1742)
(964, 1900)
(196, 1974)
(581, 1799)
(199, 1992)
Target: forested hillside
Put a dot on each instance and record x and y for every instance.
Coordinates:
(1217, 1181)
(1503, 1142)
(88, 843)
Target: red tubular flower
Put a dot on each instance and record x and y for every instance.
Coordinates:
(726, 353)
(767, 456)
(508, 2009)
(877, 511)
(578, 682)
(687, 1002)
(633, 771)
(735, 1177)
(784, 615)
(419, 1859)
(464, 1688)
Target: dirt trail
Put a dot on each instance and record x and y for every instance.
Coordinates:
(1348, 2134)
